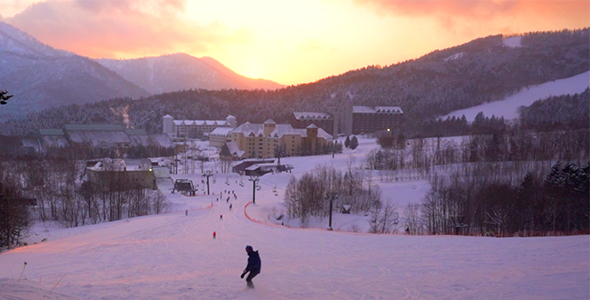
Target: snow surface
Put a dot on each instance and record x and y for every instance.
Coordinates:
(513, 42)
(508, 107)
(174, 256)
(455, 56)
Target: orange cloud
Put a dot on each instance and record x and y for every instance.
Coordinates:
(458, 13)
(120, 28)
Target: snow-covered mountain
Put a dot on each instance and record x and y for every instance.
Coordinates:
(175, 72)
(41, 77)
(509, 106)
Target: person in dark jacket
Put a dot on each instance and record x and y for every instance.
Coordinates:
(254, 264)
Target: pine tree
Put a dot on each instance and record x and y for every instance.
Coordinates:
(347, 142)
(4, 96)
(354, 143)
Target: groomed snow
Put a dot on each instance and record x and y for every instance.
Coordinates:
(513, 42)
(174, 256)
(508, 107)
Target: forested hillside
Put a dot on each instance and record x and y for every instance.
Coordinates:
(482, 70)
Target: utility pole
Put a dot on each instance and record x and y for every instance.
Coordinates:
(331, 196)
(333, 148)
(254, 179)
(207, 174)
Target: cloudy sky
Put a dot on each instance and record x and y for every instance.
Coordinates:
(288, 41)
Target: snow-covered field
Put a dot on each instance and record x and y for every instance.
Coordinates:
(508, 108)
(174, 256)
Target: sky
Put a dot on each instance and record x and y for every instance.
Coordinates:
(290, 42)
(174, 255)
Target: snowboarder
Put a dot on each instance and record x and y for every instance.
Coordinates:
(214, 234)
(220, 217)
(254, 265)
(230, 206)
(186, 212)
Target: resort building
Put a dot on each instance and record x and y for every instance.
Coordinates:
(180, 130)
(261, 140)
(322, 120)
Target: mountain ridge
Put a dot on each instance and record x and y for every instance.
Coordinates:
(181, 71)
(42, 77)
(425, 88)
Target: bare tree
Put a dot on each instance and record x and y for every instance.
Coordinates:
(159, 203)
(384, 219)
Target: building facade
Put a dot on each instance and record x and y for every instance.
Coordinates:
(322, 120)
(179, 130)
(261, 140)
(219, 136)
(366, 119)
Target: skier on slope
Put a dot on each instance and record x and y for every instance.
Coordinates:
(254, 264)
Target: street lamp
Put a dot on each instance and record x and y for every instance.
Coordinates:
(254, 179)
(331, 196)
(207, 174)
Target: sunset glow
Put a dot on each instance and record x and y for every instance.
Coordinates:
(289, 42)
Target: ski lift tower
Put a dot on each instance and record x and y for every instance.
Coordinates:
(331, 196)
(207, 174)
(254, 179)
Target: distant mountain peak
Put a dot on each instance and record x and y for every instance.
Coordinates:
(42, 77)
(181, 71)
(21, 43)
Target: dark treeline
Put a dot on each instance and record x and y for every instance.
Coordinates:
(423, 154)
(65, 197)
(476, 200)
(12, 149)
(14, 217)
(433, 85)
(305, 197)
(567, 112)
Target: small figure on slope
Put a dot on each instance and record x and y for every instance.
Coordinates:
(254, 265)
(214, 234)
(230, 206)
(220, 217)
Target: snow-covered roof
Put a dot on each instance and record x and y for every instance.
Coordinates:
(311, 116)
(221, 131)
(30, 143)
(93, 127)
(321, 133)
(161, 140)
(312, 126)
(269, 121)
(51, 131)
(234, 149)
(363, 109)
(388, 109)
(282, 129)
(200, 122)
(248, 129)
(98, 138)
(131, 131)
(54, 141)
(376, 109)
(139, 140)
